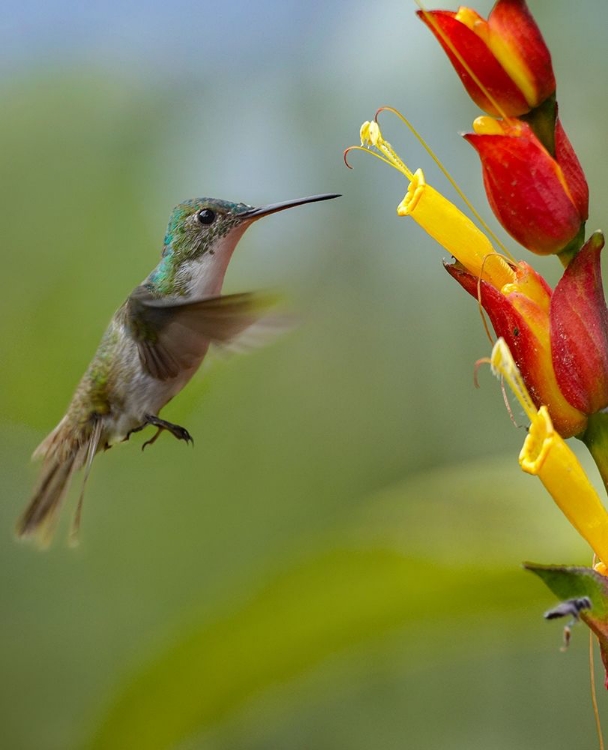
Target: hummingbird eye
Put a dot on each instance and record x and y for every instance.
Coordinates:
(206, 216)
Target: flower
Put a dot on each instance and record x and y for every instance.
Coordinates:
(520, 313)
(541, 200)
(546, 455)
(440, 218)
(559, 339)
(503, 62)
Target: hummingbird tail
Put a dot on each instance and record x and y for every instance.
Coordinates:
(39, 518)
(63, 454)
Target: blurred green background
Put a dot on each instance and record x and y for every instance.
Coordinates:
(336, 564)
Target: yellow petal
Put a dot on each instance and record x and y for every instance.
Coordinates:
(509, 56)
(515, 66)
(485, 125)
(530, 283)
(546, 455)
(454, 231)
(601, 569)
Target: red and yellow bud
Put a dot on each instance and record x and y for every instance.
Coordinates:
(540, 200)
(519, 313)
(503, 62)
(558, 339)
(579, 330)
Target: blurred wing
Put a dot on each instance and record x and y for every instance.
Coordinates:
(264, 331)
(173, 336)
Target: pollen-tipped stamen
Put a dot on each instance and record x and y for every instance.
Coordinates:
(503, 366)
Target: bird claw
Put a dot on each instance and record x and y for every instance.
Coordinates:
(181, 433)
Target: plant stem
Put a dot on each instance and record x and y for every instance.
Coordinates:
(595, 438)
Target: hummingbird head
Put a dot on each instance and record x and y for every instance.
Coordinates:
(201, 236)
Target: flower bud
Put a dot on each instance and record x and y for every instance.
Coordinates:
(540, 200)
(503, 62)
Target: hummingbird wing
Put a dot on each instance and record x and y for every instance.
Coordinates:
(174, 336)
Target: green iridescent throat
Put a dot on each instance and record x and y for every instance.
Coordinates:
(184, 240)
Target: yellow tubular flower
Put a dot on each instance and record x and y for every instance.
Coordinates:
(516, 298)
(454, 231)
(440, 218)
(545, 454)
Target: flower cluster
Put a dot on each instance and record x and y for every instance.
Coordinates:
(552, 346)
(537, 190)
(534, 182)
(559, 338)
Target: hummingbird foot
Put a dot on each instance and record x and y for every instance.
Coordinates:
(152, 439)
(181, 433)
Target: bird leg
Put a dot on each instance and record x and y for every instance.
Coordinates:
(152, 439)
(181, 433)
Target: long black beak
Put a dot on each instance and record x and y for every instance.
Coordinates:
(257, 213)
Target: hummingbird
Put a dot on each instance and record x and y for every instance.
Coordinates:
(153, 345)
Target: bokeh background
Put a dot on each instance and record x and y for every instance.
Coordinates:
(336, 563)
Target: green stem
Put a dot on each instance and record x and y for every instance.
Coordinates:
(572, 248)
(595, 438)
(542, 121)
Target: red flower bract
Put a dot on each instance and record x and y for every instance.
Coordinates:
(522, 320)
(579, 330)
(503, 62)
(540, 200)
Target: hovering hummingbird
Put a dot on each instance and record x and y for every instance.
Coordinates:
(153, 345)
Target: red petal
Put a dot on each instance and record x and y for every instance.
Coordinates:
(579, 330)
(455, 35)
(512, 20)
(506, 321)
(531, 353)
(573, 172)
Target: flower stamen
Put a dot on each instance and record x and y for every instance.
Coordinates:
(371, 137)
(504, 367)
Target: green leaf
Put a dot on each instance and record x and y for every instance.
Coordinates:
(574, 583)
(334, 601)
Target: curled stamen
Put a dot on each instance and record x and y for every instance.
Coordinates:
(346, 152)
(448, 177)
(478, 365)
(366, 150)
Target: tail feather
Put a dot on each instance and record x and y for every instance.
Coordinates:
(64, 451)
(40, 517)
